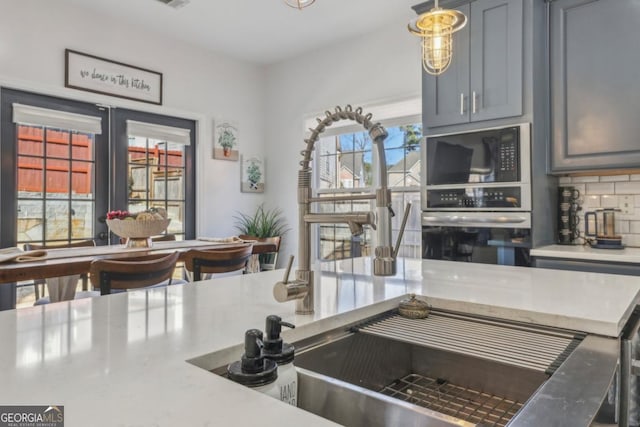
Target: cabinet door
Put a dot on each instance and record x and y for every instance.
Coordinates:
(594, 84)
(445, 97)
(496, 59)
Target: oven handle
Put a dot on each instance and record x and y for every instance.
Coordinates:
(470, 220)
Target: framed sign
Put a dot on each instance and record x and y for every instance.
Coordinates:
(99, 75)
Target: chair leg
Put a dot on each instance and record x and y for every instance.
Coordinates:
(36, 290)
(85, 281)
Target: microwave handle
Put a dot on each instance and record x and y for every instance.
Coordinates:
(467, 220)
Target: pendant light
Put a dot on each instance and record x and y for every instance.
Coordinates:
(436, 29)
(299, 4)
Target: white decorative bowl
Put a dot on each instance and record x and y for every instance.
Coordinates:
(138, 232)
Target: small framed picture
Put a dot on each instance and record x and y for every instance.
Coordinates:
(225, 141)
(252, 175)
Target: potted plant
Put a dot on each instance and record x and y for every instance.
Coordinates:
(254, 175)
(227, 140)
(265, 225)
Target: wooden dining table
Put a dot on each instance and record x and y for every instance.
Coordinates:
(69, 261)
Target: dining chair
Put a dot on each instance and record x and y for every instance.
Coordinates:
(222, 260)
(37, 283)
(268, 259)
(132, 272)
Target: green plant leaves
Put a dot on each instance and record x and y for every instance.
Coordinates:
(263, 223)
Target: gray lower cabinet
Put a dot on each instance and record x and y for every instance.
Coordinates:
(595, 108)
(588, 266)
(484, 80)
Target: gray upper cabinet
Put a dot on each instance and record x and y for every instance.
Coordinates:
(484, 80)
(595, 108)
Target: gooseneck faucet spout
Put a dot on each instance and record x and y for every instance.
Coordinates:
(384, 264)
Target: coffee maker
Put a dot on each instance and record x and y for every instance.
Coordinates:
(568, 219)
(600, 229)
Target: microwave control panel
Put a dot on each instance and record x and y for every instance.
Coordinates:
(507, 162)
(475, 197)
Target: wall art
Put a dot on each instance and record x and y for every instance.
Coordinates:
(252, 175)
(100, 75)
(225, 141)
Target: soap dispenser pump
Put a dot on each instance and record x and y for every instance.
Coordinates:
(253, 369)
(283, 354)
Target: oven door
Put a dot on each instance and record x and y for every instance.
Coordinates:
(482, 237)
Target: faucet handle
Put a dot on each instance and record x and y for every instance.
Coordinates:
(288, 270)
(407, 209)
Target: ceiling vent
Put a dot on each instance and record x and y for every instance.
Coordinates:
(176, 4)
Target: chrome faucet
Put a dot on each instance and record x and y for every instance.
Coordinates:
(384, 263)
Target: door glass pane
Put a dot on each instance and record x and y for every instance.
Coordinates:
(81, 219)
(57, 179)
(30, 177)
(30, 220)
(57, 220)
(156, 179)
(56, 196)
(57, 143)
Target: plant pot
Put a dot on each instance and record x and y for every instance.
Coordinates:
(226, 151)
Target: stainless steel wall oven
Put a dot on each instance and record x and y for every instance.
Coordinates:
(476, 196)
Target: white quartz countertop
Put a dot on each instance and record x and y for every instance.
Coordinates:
(587, 253)
(121, 360)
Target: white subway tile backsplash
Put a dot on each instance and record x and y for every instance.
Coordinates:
(607, 192)
(607, 201)
(564, 180)
(631, 187)
(633, 217)
(590, 202)
(623, 227)
(634, 227)
(614, 178)
(579, 179)
(632, 240)
(602, 188)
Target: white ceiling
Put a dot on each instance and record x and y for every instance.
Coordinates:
(261, 31)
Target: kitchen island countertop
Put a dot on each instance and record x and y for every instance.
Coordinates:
(122, 359)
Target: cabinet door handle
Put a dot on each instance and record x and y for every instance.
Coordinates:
(462, 104)
(473, 102)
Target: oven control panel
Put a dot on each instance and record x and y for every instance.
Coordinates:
(475, 198)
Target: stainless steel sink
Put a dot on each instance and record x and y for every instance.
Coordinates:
(451, 370)
(411, 381)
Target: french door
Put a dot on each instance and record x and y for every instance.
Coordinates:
(66, 163)
(53, 189)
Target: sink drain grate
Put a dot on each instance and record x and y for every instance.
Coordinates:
(461, 402)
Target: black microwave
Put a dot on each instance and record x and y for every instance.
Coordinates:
(486, 169)
(495, 155)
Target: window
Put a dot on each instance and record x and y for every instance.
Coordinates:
(346, 166)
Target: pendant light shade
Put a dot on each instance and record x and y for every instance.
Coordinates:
(436, 29)
(299, 4)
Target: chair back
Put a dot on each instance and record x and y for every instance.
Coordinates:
(78, 244)
(221, 260)
(132, 272)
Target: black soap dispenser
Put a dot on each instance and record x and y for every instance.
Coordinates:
(253, 369)
(283, 354)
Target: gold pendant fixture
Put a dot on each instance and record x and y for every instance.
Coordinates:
(299, 4)
(436, 29)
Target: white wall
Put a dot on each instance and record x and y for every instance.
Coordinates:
(197, 84)
(382, 66)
